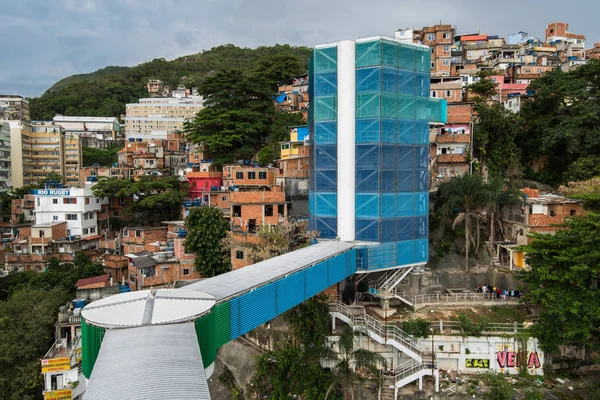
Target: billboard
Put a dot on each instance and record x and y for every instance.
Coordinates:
(56, 364)
(66, 394)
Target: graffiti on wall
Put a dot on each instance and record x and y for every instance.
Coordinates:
(514, 359)
(477, 363)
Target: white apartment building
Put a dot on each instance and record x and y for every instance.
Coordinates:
(154, 118)
(107, 126)
(79, 207)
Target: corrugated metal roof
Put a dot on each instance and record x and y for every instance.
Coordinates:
(148, 307)
(149, 363)
(244, 279)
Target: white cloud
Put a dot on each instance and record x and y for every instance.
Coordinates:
(57, 38)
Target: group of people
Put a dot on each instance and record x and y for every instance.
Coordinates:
(499, 293)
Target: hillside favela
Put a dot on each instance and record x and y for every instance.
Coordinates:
(299, 201)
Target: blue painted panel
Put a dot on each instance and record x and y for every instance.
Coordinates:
(337, 269)
(257, 307)
(234, 310)
(421, 250)
(367, 130)
(290, 292)
(367, 206)
(352, 262)
(404, 252)
(316, 279)
(327, 227)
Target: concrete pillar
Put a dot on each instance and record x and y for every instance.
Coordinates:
(421, 383)
(346, 140)
(437, 380)
(333, 323)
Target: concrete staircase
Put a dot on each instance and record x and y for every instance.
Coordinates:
(414, 369)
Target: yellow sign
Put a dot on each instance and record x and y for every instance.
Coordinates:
(477, 363)
(56, 364)
(59, 395)
(78, 355)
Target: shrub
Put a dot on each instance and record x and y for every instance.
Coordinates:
(419, 327)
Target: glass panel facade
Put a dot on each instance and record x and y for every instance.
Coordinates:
(322, 123)
(392, 115)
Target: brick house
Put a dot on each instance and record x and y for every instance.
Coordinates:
(540, 212)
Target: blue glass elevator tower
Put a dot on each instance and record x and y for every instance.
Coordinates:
(369, 120)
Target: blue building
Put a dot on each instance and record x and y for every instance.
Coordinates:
(369, 120)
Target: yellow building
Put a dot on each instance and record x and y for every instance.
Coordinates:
(72, 158)
(298, 135)
(41, 148)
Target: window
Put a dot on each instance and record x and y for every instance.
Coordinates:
(262, 175)
(432, 65)
(433, 93)
(68, 232)
(448, 93)
(116, 214)
(132, 277)
(445, 63)
(446, 35)
(446, 49)
(97, 201)
(433, 50)
(87, 200)
(54, 201)
(92, 230)
(268, 210)
(86, 231)
(69, 200)
(237, 211)
(573, 212)
(431, 36)
(55, 218)
(186, 271)
(224, 198)
(239, 254)
(469, 53)
(285, 146)
(41, 233)
(251, 175)
(71, 217)
(239, 175)
(138, 233)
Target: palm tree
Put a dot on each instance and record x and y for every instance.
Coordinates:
(466, 194)
(348, 361)
(500, 193)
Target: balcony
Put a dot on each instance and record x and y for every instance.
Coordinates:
(453, 139)
(451, 158)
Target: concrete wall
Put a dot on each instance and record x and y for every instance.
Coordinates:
(92, 294)
(481, 354)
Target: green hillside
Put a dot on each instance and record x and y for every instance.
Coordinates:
(106, 91)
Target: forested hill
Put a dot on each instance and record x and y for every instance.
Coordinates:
(106, 91)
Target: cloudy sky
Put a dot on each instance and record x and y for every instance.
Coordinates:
(43, 41)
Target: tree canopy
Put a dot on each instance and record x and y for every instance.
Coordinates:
(206, 230)
(155, 198)
(564, 281)
(239, 117)
(561, 123)
(106, 91)
(29, 302)
(103, 157)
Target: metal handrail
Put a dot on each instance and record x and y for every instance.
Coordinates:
(457, 298)
(360, 319)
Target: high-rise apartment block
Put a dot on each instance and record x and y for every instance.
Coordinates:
(5, 175)
(369, 127)
(41, 148)
(14, 107)
(155, 118)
